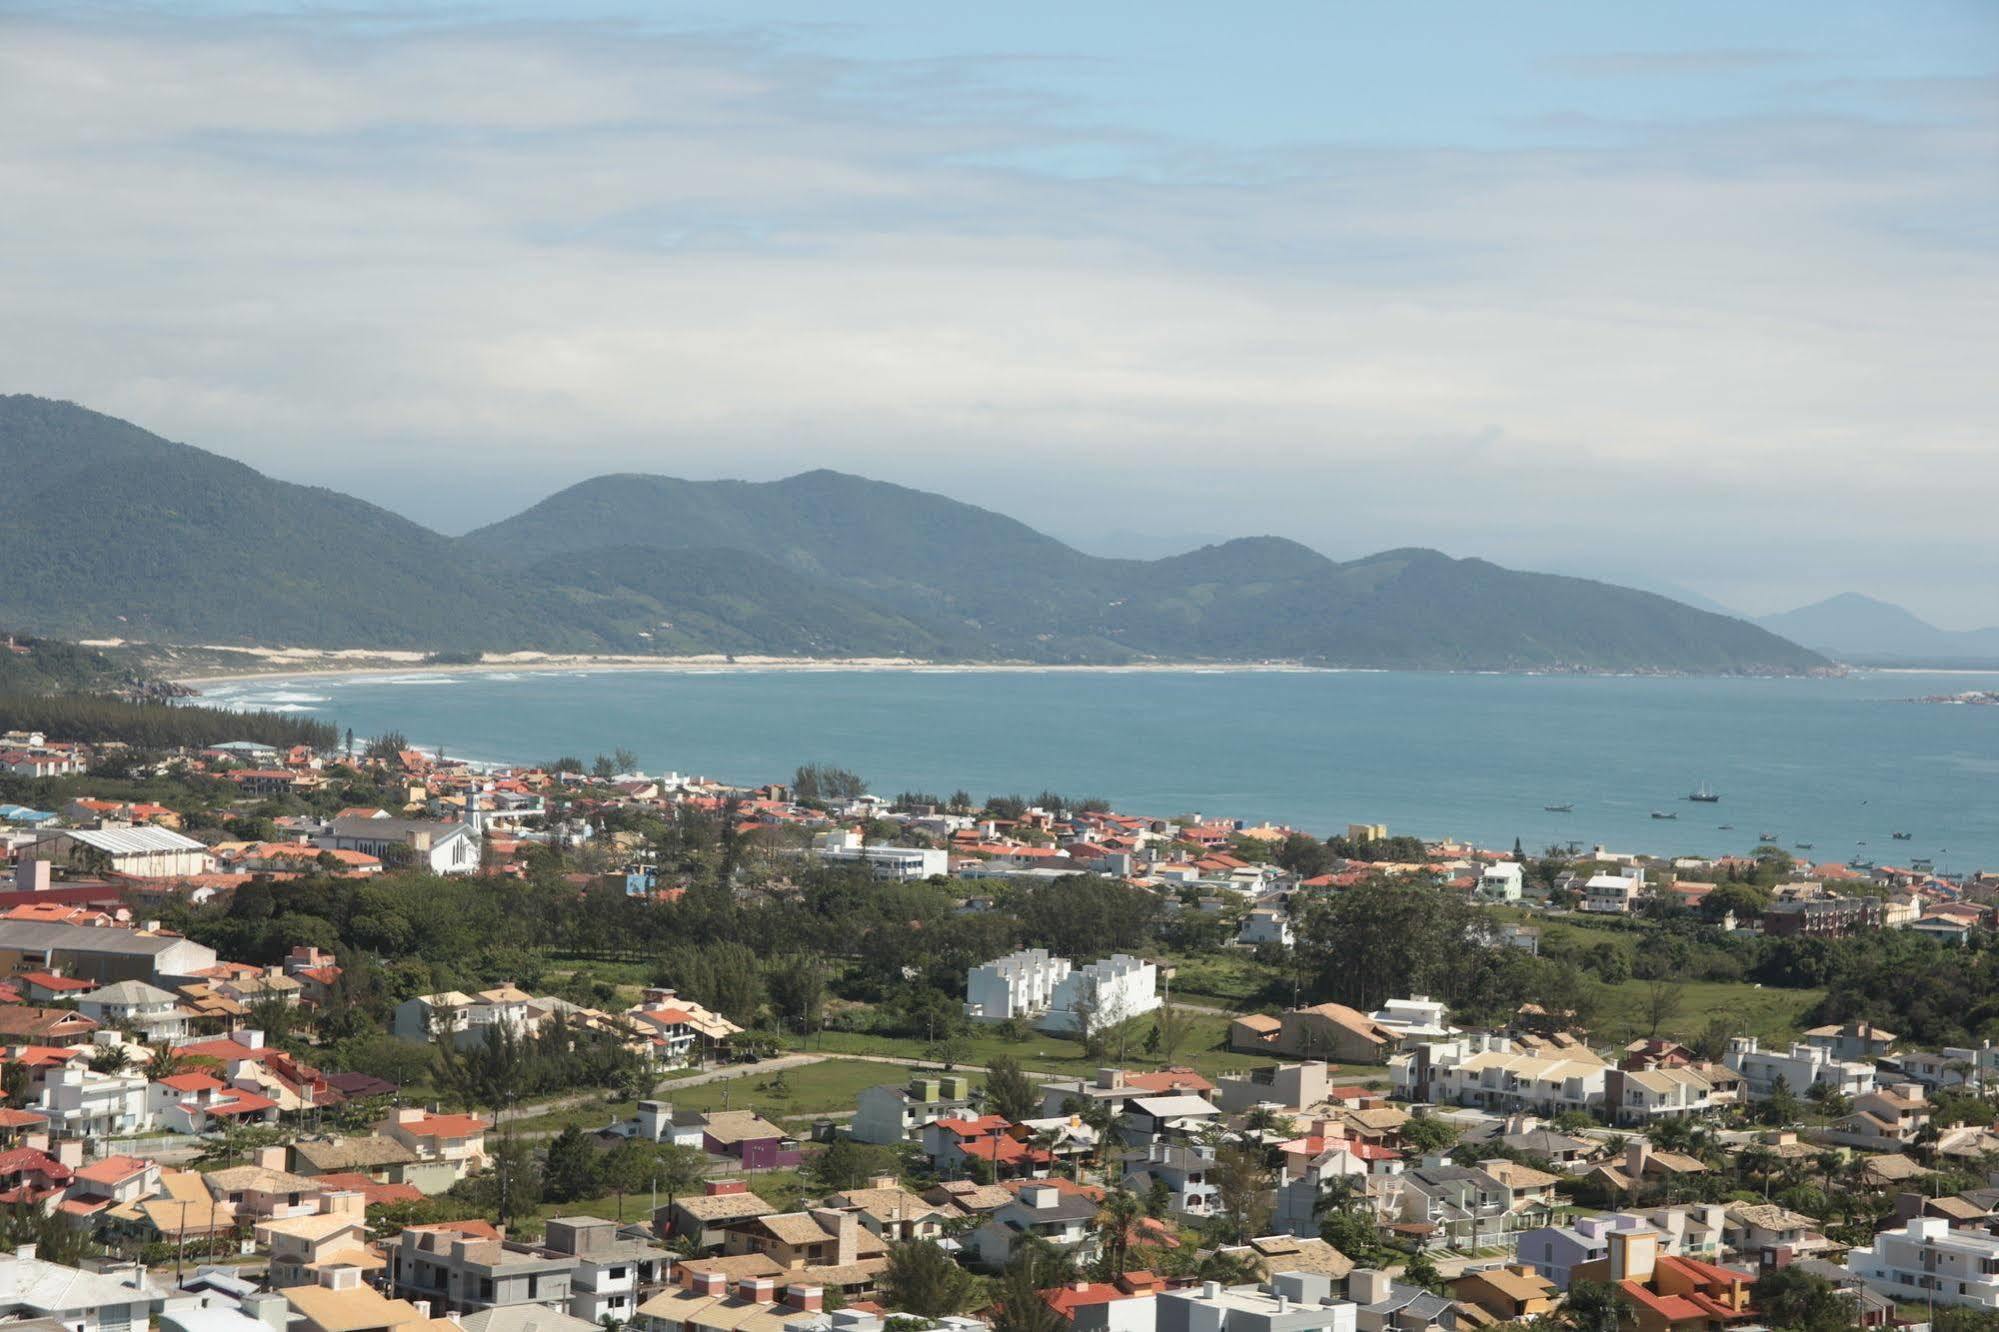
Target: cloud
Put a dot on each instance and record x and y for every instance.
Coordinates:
(452, 265)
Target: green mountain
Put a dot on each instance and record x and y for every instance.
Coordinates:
(114, 530)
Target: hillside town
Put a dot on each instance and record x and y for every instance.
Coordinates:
(359, 1038)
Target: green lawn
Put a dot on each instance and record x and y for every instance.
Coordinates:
(1202, 1049)
(814, 1089)
(1228, 978)
(785, 1190)
(1768, 1013)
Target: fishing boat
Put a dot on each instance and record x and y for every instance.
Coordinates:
(1560, 809)
(1766, 837)
(1724, 827)
(1661, 814)
(1901, 837)
(1705, 795)
(1802, 846)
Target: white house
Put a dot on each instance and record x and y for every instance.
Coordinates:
(890, 1114)
(82, 1104)
(1111, 990)
(1928, 1261)
(1613, 894)
(1501, 882)
(1019, 985)
(81, 1301)
(441, 848)
(1799, 1068)
(152, 1012)
(899, 863)
(1266, 925)
(1417, 1018)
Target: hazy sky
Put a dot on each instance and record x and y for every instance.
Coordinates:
(1702, 294)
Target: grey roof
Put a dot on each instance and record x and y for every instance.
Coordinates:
(141, 840)
(34, 934)
(128, 992)
(51, 1288)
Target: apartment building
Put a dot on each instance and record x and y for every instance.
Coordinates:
(1929, 1261)
(891, 1114)
(1019, 985)
(1799, 1068)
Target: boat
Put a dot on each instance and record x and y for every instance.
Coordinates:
(1802, 846)
(1560, 809)
(1659, 814)
(1724, 827)
(1921, 863)
(1766, 837)
(1901, 837)
(1705, 795)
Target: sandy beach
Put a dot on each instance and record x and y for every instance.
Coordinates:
(293, 664)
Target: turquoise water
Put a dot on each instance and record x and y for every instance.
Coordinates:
(1831, 762)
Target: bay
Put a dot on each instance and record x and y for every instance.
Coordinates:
(1837, 763)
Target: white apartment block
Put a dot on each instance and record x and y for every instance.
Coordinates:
(1613, 894)
(1928, 1261)
(1501, 882)
(1019, 985)
(1799, 1069)
(1509, 1080)
(1111, 990)
(83, 1104)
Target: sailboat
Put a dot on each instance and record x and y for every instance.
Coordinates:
(1705, 795)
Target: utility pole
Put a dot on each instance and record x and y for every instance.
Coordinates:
(180, 1241)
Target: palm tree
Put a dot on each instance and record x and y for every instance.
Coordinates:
(1339, 1193)
(1120, 1212)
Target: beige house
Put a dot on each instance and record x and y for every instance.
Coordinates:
(304, 1246)
(1324, 1031)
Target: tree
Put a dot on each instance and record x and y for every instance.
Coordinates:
(1121, 1211)
(1662, 1003)
(1242, 1186)
(846, 1164)
(1421, 1271)
(1598, 1306)
(626, 1168)
(797, 988)
(679, 1169)
(1353, 1234)
(1017, 1305)
(922, 1279)
(1009, 1093)
(1428, 1134)
(387, 745)
(570, 1170)
(1801, 1302)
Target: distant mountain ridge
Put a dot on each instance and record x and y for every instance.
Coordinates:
(1864, 628)
(118, 531)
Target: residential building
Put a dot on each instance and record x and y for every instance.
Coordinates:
(1771, 1236)
(1823, 917)
(1647, 1095)
(1860, 1041)
(147, 1009)
(303, 1245)
(891, 1114)
(1266, 925)
(441, 848)
(1183, 1166)
(342, 1302)
(703, 1219)
(450, 1268)
(1323, 1031)
(1285, 1086)
(614, 1272)
(745, 1136)
(31, 1288)
(1501, 882)
(1613, 894)
(1511, 1080)
(1928, 1261)
(1101, 994)
(1887, 1119)
(1065, 1220)
(824, 1246)
(1019, 985)
(456, 1141)
(1511, 1293)
(1669, 1294)
(891, 1212)
(1289, 1302)
(1799, 1068)
(900, 864)
(1383, 1304)
(82, 1104)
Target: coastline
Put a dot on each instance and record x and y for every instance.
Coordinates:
(297, 668)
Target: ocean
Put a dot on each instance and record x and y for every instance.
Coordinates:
(1841, 764)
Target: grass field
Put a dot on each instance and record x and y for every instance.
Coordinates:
(814, 1089)
(1773, 1015)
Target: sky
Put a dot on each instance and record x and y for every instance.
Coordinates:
(1701, 296)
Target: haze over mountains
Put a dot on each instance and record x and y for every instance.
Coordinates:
(107, 529)
(1861, 628)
